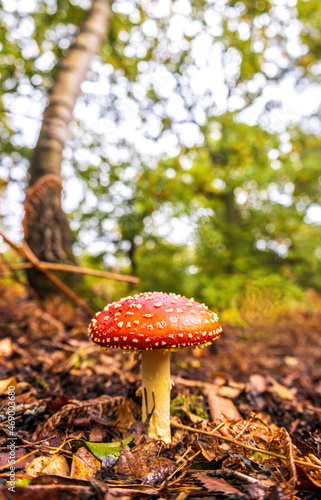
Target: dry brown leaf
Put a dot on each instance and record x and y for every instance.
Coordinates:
(257, 383)
(56, 464)
(4, 384)
(97, 434)
(306, 482)
(48, 491)
(222, 407)
(143, 464)
(291, 361)
(6, 347)
(84, 464)
(228, 392)
(282, 391)
(208, 452)
(20, 453)
(192, 416)
(125, 415)
(178, 436)
(303, 447)
(261, 491)
(218, 485)
(23, 387)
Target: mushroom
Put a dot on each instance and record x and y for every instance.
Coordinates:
(155, 324)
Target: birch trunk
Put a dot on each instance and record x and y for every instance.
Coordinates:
(45, 226)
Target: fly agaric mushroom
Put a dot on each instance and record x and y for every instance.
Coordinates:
(155, 324)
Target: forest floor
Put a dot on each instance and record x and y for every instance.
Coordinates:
(257, 389)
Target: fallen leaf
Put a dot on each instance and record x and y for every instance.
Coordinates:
(4, 384)
(222, 407)
(257, 383)
(304, 448)
(260, 491)
(125, 416)
(228, 392)
(57, 403)
(22, 388)
(144, 465)
(218, 485)
(6, 347)
(306, 482)
(52, 492)
(84, 464)
(37, 465)
(208, 451)
(282, 391)
(291, 361)
(192, 417)
(56, 464)
(99, 450)
(19, 454)
(97, 433)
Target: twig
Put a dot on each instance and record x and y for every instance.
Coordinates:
(2, 448)
(27, 253)
(73, 269)
(244, 429)
(17, 476)
(233, 474)
(246, 446)
(179, 467)
(19, 460)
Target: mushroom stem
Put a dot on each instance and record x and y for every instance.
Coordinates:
(156, 387)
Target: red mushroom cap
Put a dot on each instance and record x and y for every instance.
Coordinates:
(154, 321)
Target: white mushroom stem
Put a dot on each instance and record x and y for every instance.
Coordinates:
(156, 388)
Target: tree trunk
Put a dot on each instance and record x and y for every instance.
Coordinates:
(45, 226)
(232, 215)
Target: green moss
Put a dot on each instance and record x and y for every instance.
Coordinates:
(182, 405)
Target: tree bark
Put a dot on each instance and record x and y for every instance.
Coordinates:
(45, 225)
(232, 215)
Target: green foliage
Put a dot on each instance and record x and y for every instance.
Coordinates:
(163, 267)
(182, 405)
(305, 256)
(223, 291)
(309, 14)
(245, 190)
(100, 450)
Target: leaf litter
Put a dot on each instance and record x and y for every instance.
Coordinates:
(245, 424)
